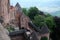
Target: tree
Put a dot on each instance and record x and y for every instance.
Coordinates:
(25, 11)
(41, 13)
(32, 12)
(38, 20)
(56, 34)
(57, 21)
(48, 15)
(50, 22)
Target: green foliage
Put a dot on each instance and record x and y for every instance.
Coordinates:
(50, 22)
(32, 12)
(44, 38)
(48, 15)
(10, 28)
(25, 11)
(38, 19)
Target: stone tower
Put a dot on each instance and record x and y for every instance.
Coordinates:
(4, 10)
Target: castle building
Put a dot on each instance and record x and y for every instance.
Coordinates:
(14, 16)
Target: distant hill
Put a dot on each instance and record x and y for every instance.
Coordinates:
(57, 13)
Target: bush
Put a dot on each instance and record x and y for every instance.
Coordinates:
(10, 28)
(44, 38)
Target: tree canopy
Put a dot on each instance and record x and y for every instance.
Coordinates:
(32, 12)
(39, 18)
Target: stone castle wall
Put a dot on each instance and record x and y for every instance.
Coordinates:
(4, 10)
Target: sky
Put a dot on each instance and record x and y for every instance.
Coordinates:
(43, 5)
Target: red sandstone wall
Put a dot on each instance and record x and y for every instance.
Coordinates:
(12, 13)
(24, 21)
(4, 10)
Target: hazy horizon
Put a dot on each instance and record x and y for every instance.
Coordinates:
(44, 5)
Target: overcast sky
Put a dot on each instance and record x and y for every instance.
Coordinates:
(44, 5)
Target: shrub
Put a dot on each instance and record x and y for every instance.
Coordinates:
(44, 38)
